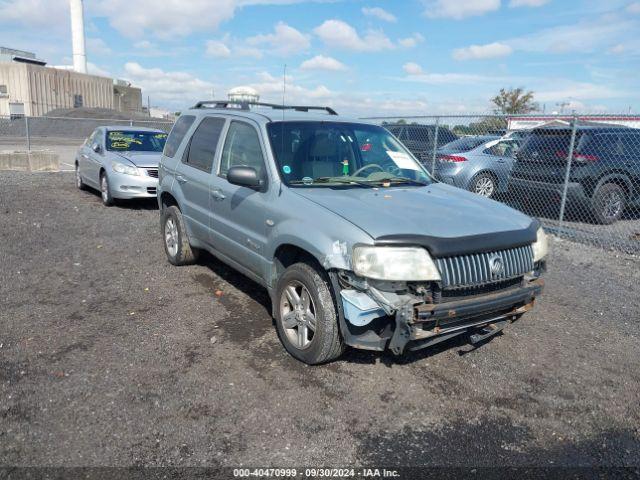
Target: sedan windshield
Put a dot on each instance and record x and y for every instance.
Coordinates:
(132, 141)
(346, 154)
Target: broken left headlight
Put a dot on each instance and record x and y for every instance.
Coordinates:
(394, 263)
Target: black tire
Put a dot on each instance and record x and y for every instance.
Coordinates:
(79, 183)
(105, 191)
(484, 184)
(608, 203)
(326, 343)
(183, 253)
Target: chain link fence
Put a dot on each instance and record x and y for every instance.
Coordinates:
(60, 135)
(579, 174)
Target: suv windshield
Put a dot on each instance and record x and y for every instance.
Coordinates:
(131, 141)
(332, 153)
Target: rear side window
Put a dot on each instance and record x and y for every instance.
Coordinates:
(202, 148)
(242, 148)
(178, 132)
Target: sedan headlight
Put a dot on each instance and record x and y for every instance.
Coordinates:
(540, 246)
(123, 168)
(394, 263)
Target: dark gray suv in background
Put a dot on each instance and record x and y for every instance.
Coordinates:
(354, 241)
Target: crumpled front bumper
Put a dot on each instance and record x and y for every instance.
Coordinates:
(416, 325)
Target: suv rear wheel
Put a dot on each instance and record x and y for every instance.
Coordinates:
(306, 316)
(608, 203)
(174, 233)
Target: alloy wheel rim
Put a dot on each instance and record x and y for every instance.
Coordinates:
(298, 315)
(484, 187)
(612, 205)
(78, 179)
(104, 189)
(171, 237)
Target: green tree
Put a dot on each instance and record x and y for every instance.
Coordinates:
(513, 101)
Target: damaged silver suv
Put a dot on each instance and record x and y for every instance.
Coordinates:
(355, 242)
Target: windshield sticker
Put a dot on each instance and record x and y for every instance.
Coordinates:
(403, 161)
(119, 144)
(286, 169)
(160, 135)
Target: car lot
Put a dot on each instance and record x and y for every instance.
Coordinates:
(107, 358)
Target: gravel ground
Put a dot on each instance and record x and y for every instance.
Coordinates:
(106, 358)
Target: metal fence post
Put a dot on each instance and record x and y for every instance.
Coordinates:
(26, 128)
(567, 173)
(435, 146)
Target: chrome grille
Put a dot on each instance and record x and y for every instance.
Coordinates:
(475, 269)
(152, 172)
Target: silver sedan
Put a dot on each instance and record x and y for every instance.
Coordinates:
(120, 162)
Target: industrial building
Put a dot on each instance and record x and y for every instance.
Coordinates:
(29, 87)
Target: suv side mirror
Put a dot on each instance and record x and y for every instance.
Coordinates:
(244, 177)
(96, 147)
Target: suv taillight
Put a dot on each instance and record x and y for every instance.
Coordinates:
(452, 158)
(578, 157)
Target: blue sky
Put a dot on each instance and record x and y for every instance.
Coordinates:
(360, 56)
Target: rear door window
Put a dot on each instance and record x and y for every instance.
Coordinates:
(203, 144)
(178, 132)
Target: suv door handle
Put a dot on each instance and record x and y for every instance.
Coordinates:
(181, 179)
(218, 195)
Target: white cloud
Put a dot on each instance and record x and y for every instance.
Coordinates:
(320, 62)
(617, 49)
(169, 18)
(481, 52)
(563, 90)
(47, 13)
(217, 49)
(578, 37)
(144, 45)
(270, 89)
(98, 47)
(527, 3)
(338, 34)
(412, 68)
(379, 13)
(94, 69)
(411, 41)
(633, 8)
(243, 51)
(178, 89)
(285, 40)
(459, 9)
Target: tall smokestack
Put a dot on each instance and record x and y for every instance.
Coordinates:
(77, 36)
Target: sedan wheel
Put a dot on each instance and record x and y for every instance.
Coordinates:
(79, 183)
(484, 185)
(105, 191)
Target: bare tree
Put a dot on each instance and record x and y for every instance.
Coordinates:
(514, 100)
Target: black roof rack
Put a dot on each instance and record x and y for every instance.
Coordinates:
(242, 105)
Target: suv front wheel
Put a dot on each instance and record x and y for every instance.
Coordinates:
(608, 203)
(176, 242)
(306, 316)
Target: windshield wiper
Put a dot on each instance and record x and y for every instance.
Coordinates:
(338, 180)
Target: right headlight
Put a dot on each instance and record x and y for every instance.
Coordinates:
(540, 246)
(401, 264)
(124, 168)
